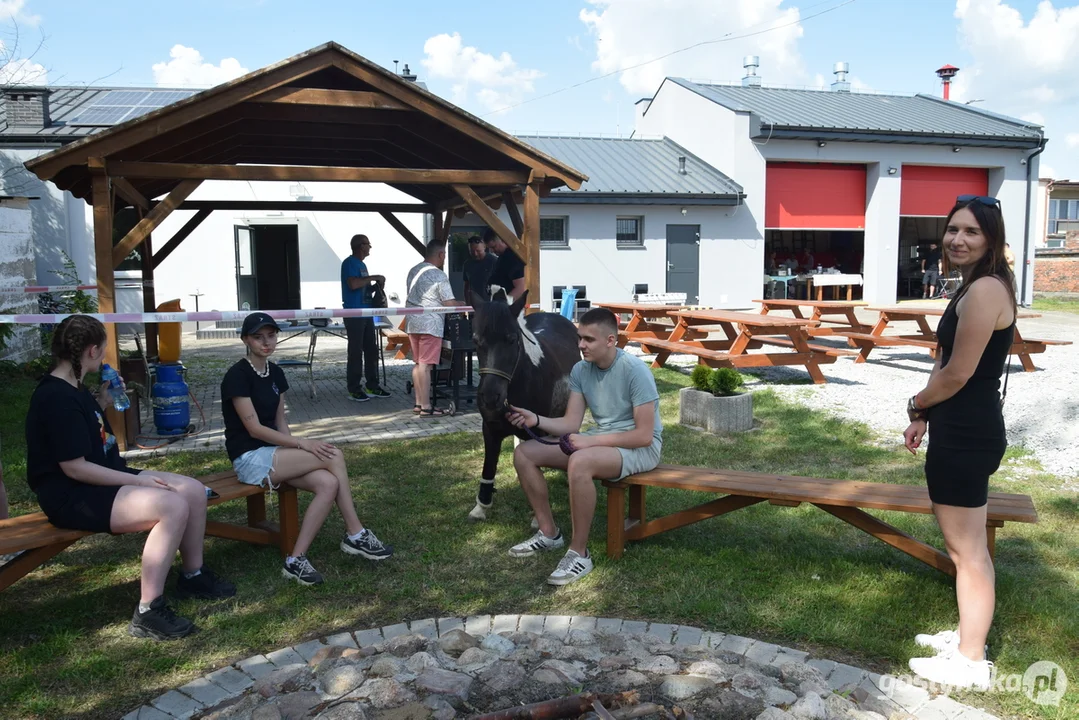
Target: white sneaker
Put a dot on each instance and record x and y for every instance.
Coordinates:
(941, 642)
(954, 669)
(571, 568)
(537, 543)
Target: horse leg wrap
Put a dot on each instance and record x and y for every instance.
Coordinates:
(484, 500)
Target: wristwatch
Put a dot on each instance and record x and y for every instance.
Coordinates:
(914, 412)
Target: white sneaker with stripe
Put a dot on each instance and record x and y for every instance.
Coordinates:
(570, 568)
(537, 543)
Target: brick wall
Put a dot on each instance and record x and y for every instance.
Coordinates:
(1056, 270)
(26, 109)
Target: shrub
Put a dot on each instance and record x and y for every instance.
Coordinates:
(702, 378)
(725, 381)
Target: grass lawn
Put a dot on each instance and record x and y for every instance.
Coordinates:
(795, 576)
(1057, 304)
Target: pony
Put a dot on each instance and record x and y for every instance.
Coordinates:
(524, 361)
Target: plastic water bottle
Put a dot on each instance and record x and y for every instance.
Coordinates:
(120, 400)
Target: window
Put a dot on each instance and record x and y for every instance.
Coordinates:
(1062, 210)
(553, 232)
(628, 232)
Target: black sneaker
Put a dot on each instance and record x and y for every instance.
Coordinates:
(367, 545)
(377, 392)
(206, 585)
(160, 622)
(358, 396)
(302, 571)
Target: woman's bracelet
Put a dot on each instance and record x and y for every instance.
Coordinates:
(914, 412)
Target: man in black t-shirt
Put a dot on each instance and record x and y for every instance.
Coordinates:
(478, 268)
(930, 270)
(509, 271)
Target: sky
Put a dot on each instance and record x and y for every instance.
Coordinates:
(577, 66)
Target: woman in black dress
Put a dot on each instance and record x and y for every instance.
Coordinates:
(962, 406)
(74, 467)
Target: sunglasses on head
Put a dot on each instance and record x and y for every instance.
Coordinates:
(983, 199)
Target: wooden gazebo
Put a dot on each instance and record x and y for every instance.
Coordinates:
(324, 115)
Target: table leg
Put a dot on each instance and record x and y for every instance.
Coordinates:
(800, 340)
(311, 362)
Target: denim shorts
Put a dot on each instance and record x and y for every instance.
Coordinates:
(254, 467)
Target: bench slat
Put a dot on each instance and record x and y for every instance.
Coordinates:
(787, 342)
(887, 339)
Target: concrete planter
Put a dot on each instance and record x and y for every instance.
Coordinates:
(733, 413)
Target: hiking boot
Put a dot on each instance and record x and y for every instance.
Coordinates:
(377, 392)
(537, 543)
(570, 568)
(160, 622)
(302, 571)
(366, 545)
(206, 586)
(358, 396)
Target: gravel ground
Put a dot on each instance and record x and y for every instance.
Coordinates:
(1041, 412)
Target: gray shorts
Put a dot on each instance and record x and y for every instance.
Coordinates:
(930, 277)
(639, 460)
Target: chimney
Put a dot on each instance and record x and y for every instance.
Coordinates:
(946, 74)
(751, 63)
(27, 107)
(681, 164)
(840, 69)
(406, 75)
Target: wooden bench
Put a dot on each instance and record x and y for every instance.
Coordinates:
(40, 541)
(845, 499)
(396, 338)
(787, 342)
(865, 342)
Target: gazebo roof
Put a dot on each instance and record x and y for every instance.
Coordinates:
(328, 108)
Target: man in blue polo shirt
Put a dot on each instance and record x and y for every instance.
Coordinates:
(362, 346)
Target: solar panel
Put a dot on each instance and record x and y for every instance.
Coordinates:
(101, 116)
(161, 98)
(117, 106)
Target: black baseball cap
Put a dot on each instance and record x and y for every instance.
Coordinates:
(256, 321)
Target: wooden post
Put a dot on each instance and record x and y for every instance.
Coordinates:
(149, 298)
(106, 287)
(530, 243)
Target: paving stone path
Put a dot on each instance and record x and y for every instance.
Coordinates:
(444, 668)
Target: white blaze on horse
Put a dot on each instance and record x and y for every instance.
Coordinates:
(525, 361)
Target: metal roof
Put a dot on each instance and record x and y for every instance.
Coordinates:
(633, 167)
(870, 114)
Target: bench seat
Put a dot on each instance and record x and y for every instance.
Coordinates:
(845, 499)
(397, 339)
(788, 343)
(39, 540)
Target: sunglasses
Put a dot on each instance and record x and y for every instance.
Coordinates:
(983, 199)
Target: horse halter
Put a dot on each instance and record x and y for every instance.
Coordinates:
(508, 377)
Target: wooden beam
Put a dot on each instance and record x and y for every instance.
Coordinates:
(405, 232)
(153, 218)
(180, 236)
(332, 98)
(530, 239)
(260, 205)
(487, 215)
(149, 297)
(106, 287)
(436, 225)
(128, 192)
(193, 171)
(447, 228)
(514, 212)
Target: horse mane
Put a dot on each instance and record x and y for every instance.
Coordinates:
(499, 318)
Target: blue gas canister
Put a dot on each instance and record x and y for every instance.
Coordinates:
(172, 413)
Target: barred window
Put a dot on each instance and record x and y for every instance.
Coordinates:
(628, 232)
(553, 232)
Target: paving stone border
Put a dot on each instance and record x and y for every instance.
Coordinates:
(904, 700)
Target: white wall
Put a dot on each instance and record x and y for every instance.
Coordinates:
(721, 137)
(17, 269)
(205, 261)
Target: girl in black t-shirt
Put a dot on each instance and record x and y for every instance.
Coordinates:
(74, 467)
(264, 451)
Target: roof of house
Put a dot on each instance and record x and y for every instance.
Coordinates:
(869, 116)
(634, 169)
(69, 106)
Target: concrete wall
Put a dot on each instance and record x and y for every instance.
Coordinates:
(721, 137)
(1057, 269)
(17, 269)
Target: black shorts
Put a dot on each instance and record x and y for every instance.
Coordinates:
(960, 476)
(80, 506)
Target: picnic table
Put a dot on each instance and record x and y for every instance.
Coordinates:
(642, 321)
(824, 311)
(753, 331)
(926, 337)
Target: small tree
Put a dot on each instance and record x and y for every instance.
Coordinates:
(725, 381)
(702, 378)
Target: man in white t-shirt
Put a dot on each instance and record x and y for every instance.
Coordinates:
(427, 286)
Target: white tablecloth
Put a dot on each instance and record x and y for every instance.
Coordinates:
(829, 279)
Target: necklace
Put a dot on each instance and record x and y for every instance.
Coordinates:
(263, 373)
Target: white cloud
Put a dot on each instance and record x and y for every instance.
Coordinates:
(493, 82)
(187, 68)
(13, 10)
(1024, 67)
(1072, 140)
(20, 71)
(628, 32)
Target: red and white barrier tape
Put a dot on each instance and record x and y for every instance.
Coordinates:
(161, 317)
(39, 289)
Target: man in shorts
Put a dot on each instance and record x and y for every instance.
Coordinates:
(930, 270)
(620, 392)
(427, 286)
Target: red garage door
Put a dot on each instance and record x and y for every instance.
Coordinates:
(812, 196)
(931, 191)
